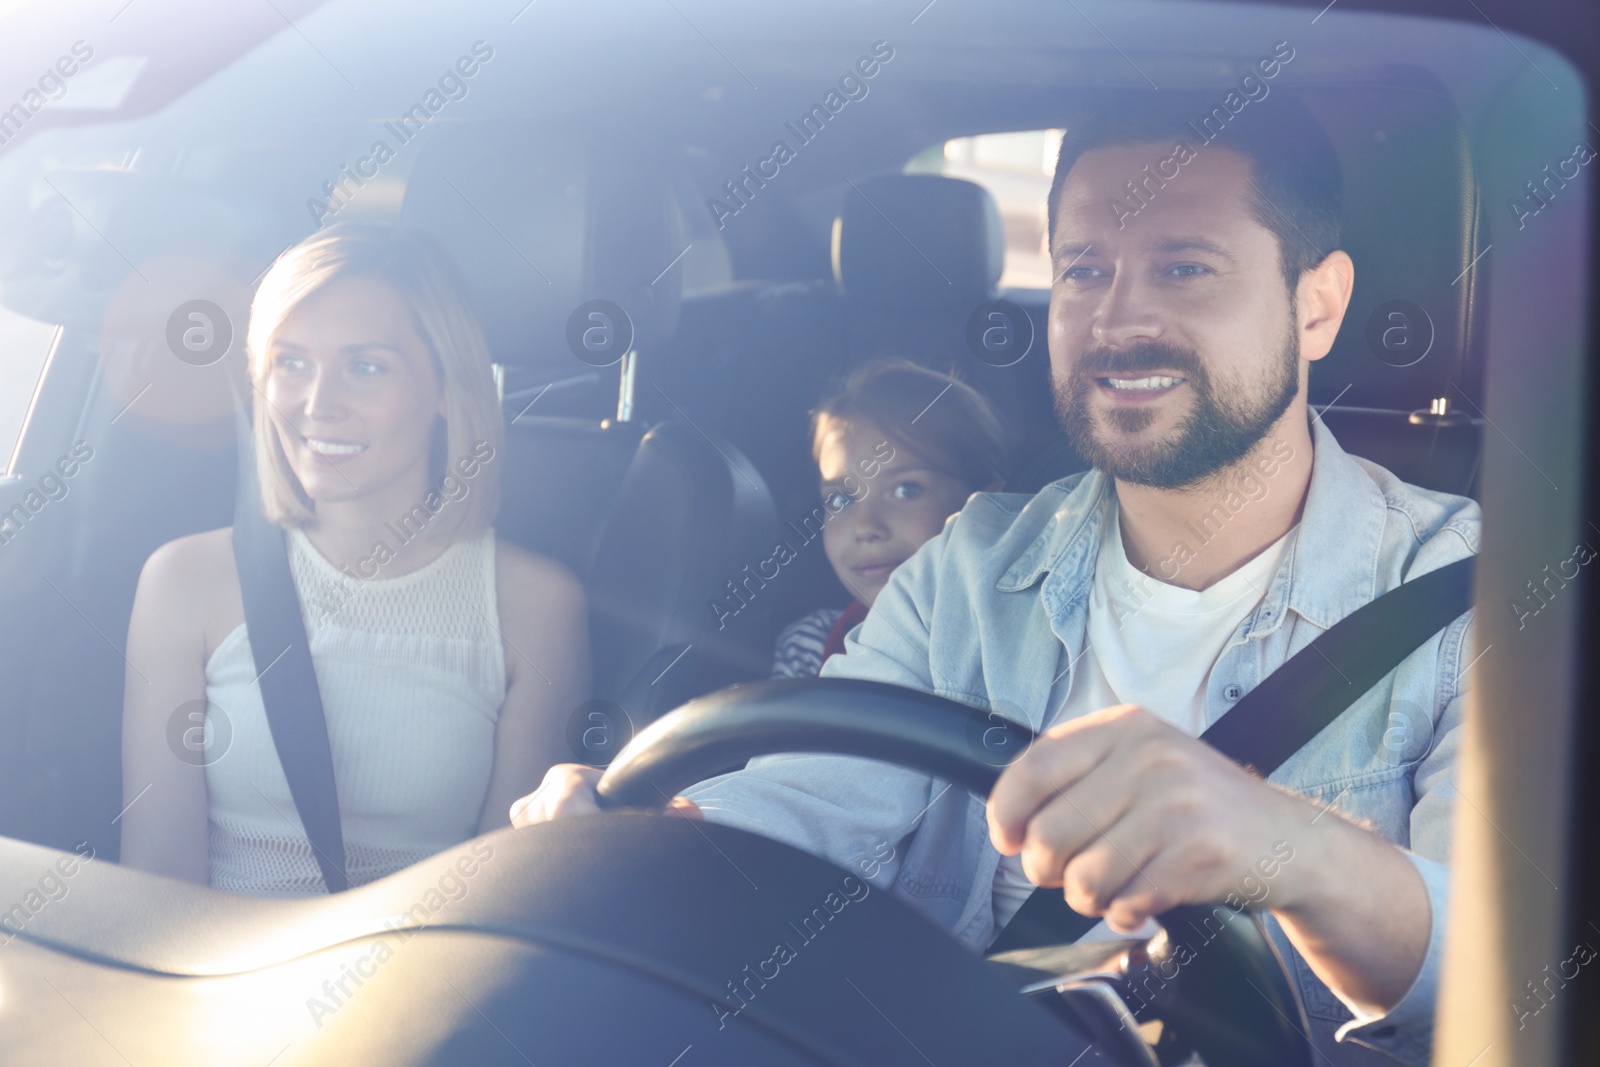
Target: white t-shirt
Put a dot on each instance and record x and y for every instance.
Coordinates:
(1148, 643)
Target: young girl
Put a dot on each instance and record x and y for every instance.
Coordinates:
(899, 448)
(447, 660)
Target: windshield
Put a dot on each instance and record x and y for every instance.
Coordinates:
(576, 363)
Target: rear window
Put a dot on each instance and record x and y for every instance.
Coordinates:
(1016, 167)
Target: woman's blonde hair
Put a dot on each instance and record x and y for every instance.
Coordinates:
(420, 272)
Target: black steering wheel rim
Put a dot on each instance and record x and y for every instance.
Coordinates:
(721, 731)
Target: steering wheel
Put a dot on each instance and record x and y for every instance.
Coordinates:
(1212, 978)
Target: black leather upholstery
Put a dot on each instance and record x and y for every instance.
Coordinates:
(690, 515)
(557, 481)
(917, 241)
(750, 365)
(655, 523)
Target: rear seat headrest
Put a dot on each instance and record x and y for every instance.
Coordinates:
(918, 240)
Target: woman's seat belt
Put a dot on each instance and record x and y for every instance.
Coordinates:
(285, 673)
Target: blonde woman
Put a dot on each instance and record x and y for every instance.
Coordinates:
(447, 659)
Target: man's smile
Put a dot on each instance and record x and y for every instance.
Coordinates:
(1130, 389)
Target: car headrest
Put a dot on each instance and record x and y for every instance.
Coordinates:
(918, 240)
(1412, 227)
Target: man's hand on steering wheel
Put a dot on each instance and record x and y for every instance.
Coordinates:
(569, 789)
(1133, 817)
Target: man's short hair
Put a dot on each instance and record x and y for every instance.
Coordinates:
(1298, 190)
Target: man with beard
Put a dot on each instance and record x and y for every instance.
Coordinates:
(1180, 338)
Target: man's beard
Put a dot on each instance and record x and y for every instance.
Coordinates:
(1214, 435)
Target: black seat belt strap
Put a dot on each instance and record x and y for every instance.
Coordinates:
(285, 673)
(1295, 702)
(1292, 706)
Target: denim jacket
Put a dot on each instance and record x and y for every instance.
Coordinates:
(991, 612)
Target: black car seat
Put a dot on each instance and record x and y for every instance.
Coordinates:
(657, 523)
(559, 478)
(1405, 376)
(675, 598)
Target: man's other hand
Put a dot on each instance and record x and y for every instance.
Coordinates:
(1131, 816)
(569, 789)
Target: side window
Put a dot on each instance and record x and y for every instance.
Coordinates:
(1016, 167)
(24, 346)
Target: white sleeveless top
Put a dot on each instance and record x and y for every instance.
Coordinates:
(412, 675)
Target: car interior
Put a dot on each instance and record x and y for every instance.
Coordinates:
(581, 164)
(660, 512)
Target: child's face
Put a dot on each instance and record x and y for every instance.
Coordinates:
(883, 502)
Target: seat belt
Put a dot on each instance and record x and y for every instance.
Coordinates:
(1290, 707)
(284, 671)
